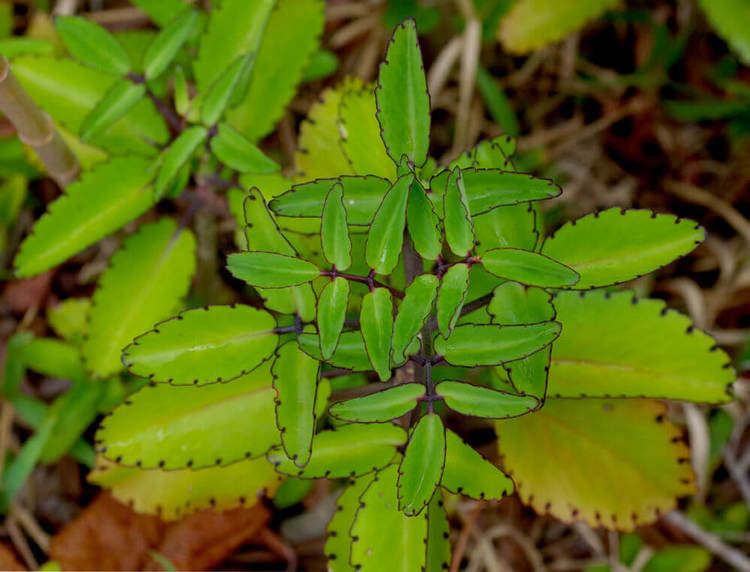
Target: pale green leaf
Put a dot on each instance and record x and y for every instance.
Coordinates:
(145, 282)
(627, 442)
(70, 318)
(730, 19)
(332, 306)
(422, 466)
(271, 270)
(376, 322)
(438, 536)
(413, 311)
(203, 346)
(85, 214)
(618, 245)
(479, 401)
(381, 406)
(339, 541)
(348, 451)
(232, 149)
(468, 473)
(51, 358)
(614, 344)
(402, 99)
(459, 229)
(295, 379)
(177, 155)
(119, 99)
(93, 45)
(386, 235)
(529, 268)
(334, 233)
(450, 298)
(470, 345)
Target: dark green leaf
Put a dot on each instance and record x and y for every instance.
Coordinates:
(232, 149)
(413, 311)
(480, 401)
(381, 406)
(271, 270)
(450, 299)
(119, 99)
(376, 322)
(386, 235)
(331, 315)
(459, 229)
(92, 45)
(334, 233)
(528, 267)
(422, 466)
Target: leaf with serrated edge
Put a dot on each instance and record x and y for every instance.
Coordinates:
(348, 451)
(376, 322)
(177, 427)
(173, 494)
(332, 314)
(334, 233)
(471, 345)
(413, 311)
(381, 406)
(350, 352)
(529, 268)
(422, 222)
(422, 465)
(362, 197)
(360, 132)
(468, 473)
(176, 155)
(450, 298)
(459, 229)
(295, 379)
(386, 235)
(618, 245)
(271, 270)
(627, 442)
(84, 214)
(487, 189)
(383, 537)
(93, 45)
(507, 227)
(613, 344)
(438, 536)
(144, 284)
(338, 544)
(202, 346)
(480, 401)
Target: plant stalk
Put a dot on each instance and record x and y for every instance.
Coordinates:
(35, 128)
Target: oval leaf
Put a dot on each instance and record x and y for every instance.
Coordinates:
(450, 299)
(92, 45)
(203, 346)
(334, 233)
(386, 235)
(487, 189)
(271, 270)
(468, 473)
(471, 346)
(376, 322)
(528, 268)
(177, 155)
(164, 48)
(422, 223)
(618, 245)
(225, 87)
(480, 401)
(459, 229)
(232, 149)
(438, 536)
(331, 315)
(381, 406)
(413, 311)
(422, 466)
(119, 99)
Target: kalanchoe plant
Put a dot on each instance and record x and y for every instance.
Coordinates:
(436, 284)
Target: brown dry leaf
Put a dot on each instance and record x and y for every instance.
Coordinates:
(108, 535)
(20, 295)
(8, 559)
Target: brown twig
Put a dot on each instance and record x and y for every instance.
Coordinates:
(35, 128)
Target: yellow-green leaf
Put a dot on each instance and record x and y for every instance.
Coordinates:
(468, 473)
(422, 466)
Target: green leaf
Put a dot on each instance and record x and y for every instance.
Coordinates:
(202, 346)
(383, 537)
(334, 233)
(422, 223)
(331, 315)
(438, 536)
(362, 197)
(471, 346)
(348, 451)
(729, 18)
(614, 344)
(487, 189)
(527, 267)
(533, 24)
(627, 442)
(498, 103)
(381, 406)
(271, 270)
(422, 466)
(413, 311)
(145, 282)
(263, 234)
(234, 28)
(295, 379)
(176, 155)
(360, 132)
(161, 11)
(350, 352)
(279, 64)
(450, 299)
(459, 229)
(376, 322)
(480, 401)
(618, 245)
(171, 428)
(164, 48)
(224, 89)
(468, 473)
(684, 558)
(386, 235)
(173, 494)
(232, 149)
(402, 99)
(70, 318)
(323, 63)
(119, 99)
(339, 541)
(51, 358)
(85, 214)
(92, 45)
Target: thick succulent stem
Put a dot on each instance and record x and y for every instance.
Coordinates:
(35, 128)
